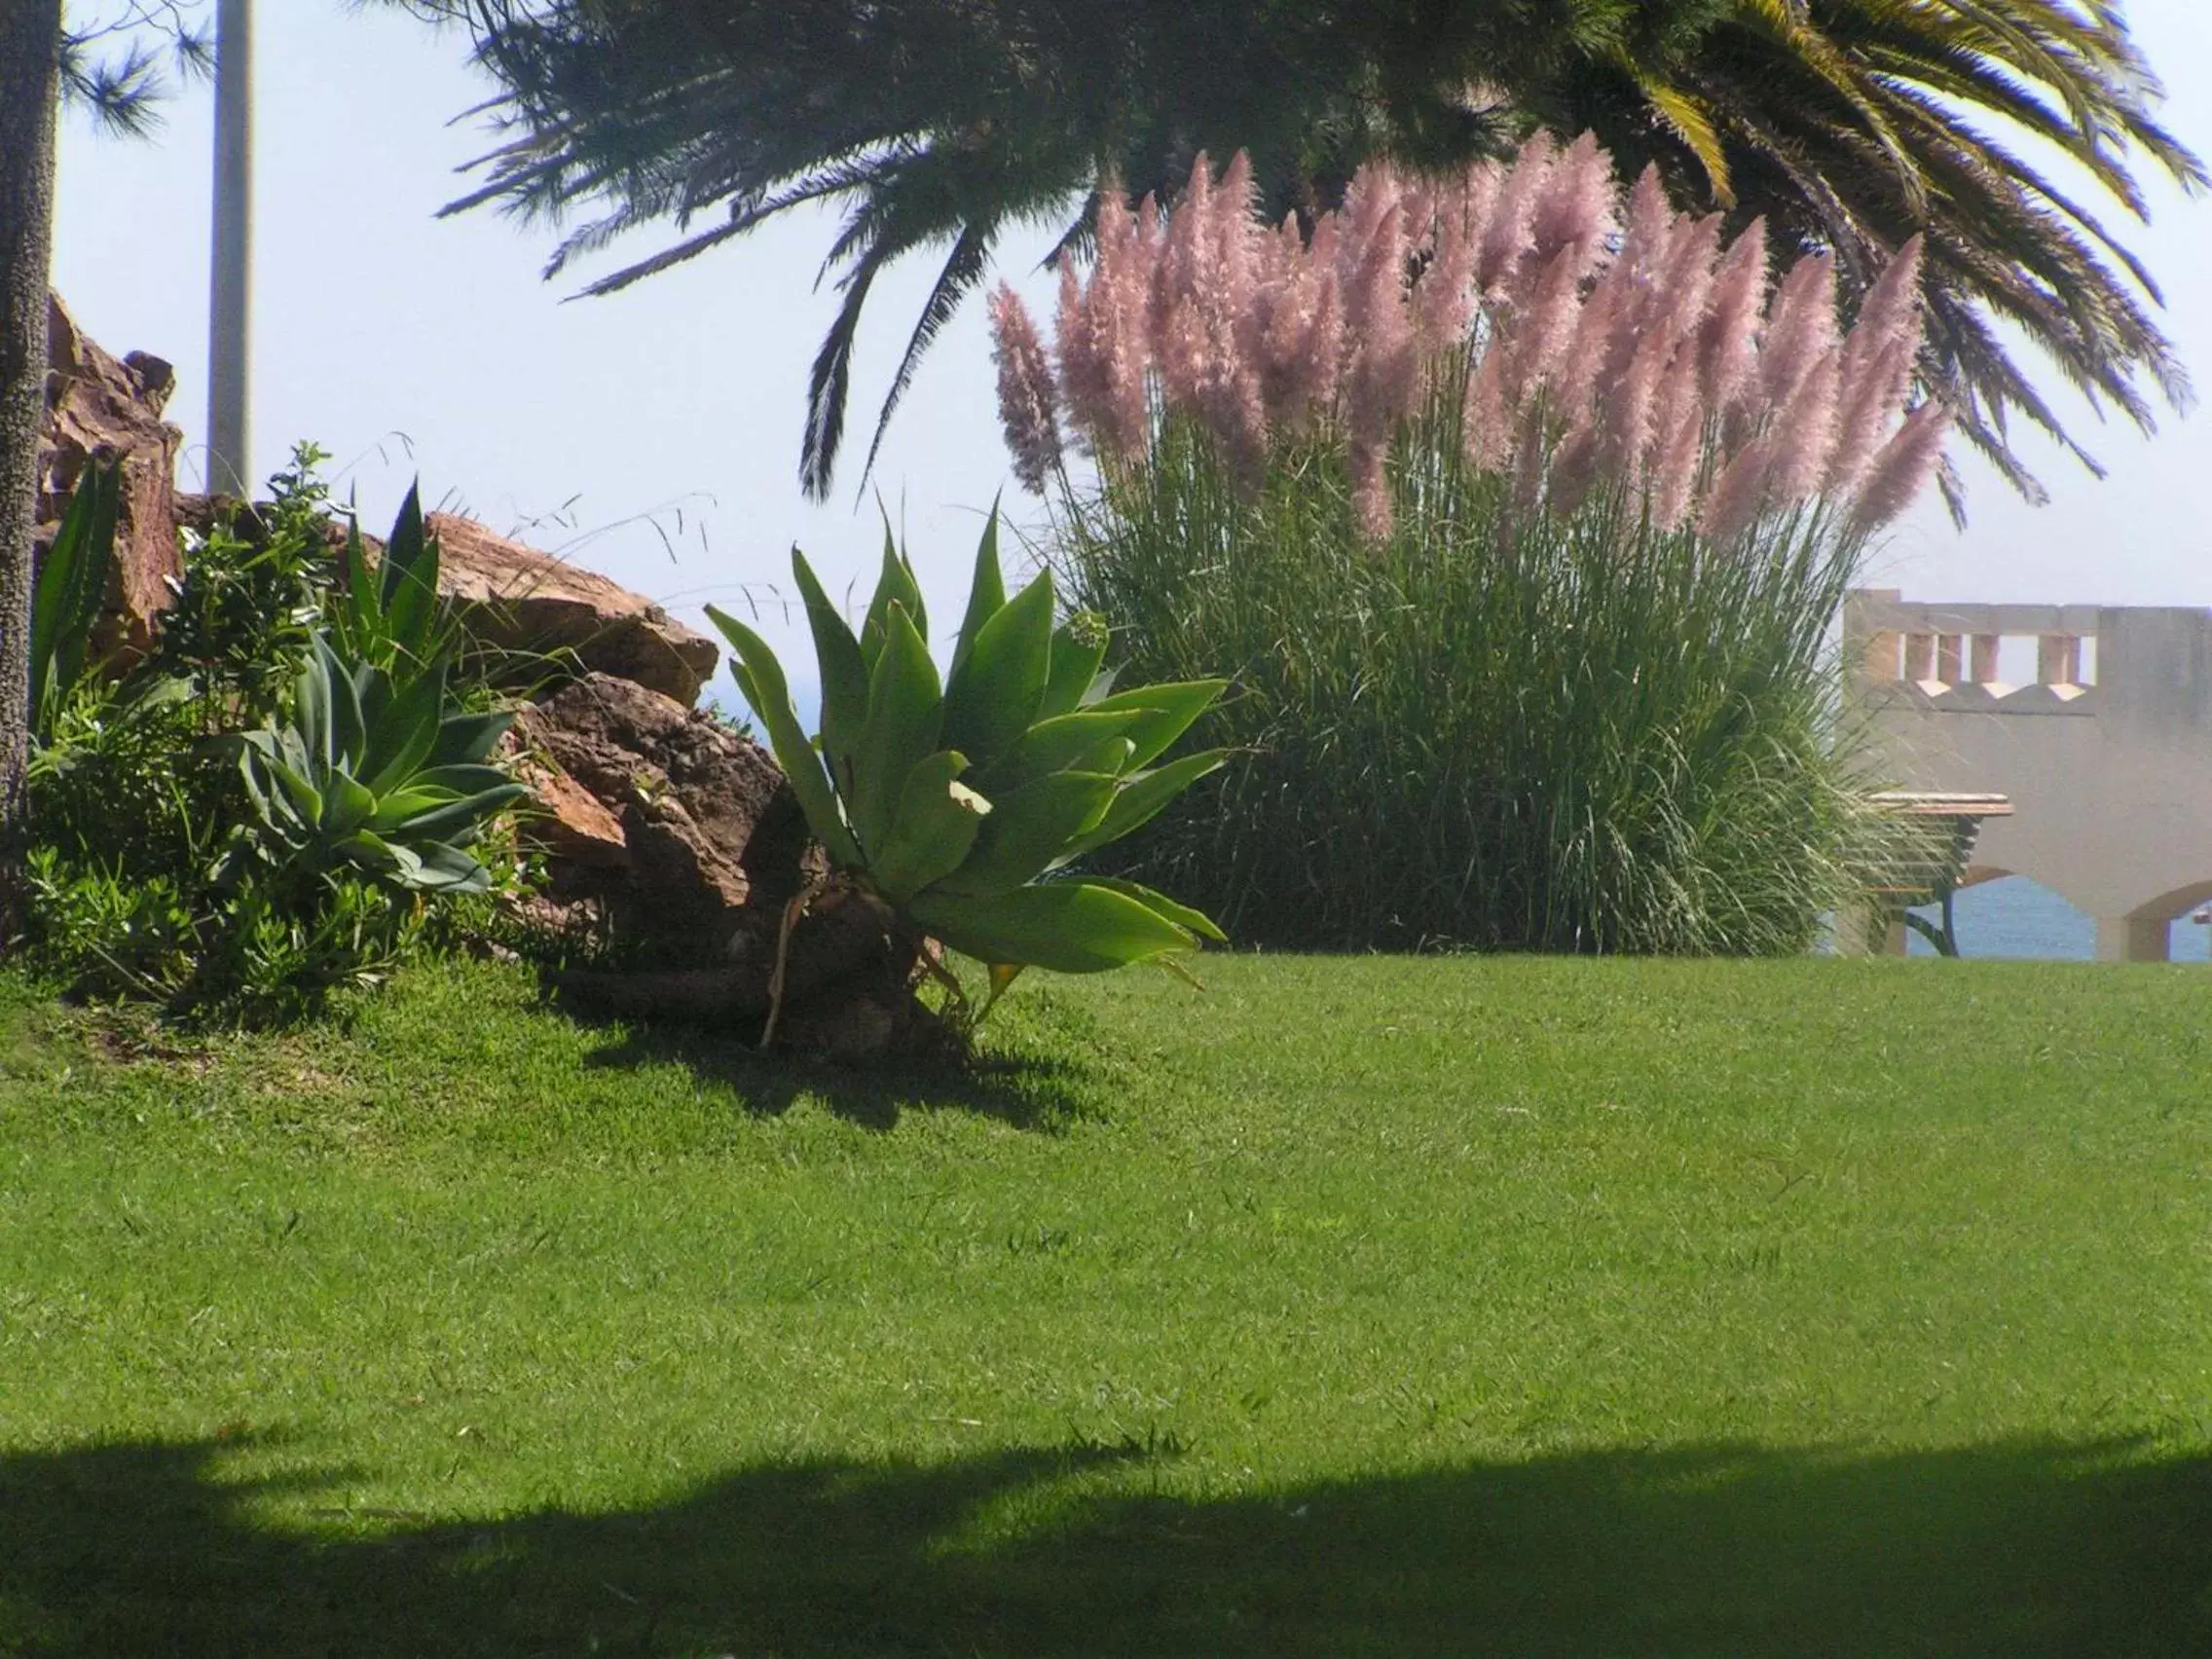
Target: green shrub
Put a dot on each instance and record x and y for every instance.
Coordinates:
(1492, 730)
(953, 803)
(259, 815)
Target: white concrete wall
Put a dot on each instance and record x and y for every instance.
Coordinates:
(2111, 781)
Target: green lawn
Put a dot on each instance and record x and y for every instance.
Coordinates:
(1513, 1306)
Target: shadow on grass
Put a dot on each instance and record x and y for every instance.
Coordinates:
(1027, 1090)
(2004, 1550)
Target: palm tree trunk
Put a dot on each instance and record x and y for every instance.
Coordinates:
(30, 44)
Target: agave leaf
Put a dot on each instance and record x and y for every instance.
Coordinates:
(404, 737)
(462, 780)
(1056, 745)
(72, 585)
(987, 590)
(1111, 757)
(1028, 829)
(1078, 647)
(1071, 927)
(465, 739)
(346, 731)
(844, 675)
(1100, 688)
(466, 815)
(361, 581)
(348, 805)
(905, 711)
(302, 796)
(396, 808)
(994, 696)
(760, 677)
(1182, 915)
(933, 828)
(310, 709)
(446, 868)
(1170, 710)
(1141, 798)
(409, 580)
(896, 584)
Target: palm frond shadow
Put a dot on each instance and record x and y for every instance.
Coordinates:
(2017, 1548)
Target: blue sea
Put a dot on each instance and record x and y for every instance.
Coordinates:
(2018, 917)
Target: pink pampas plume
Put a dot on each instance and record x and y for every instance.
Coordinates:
(1487, 415)
(1902, 470)
(1508, 236)
(1728, 338)
(1573, 214)
(1543, 328)
(1028, 404)
(1804, 431)
(1877, 368)
(1678, 448)
(1800, 328)
(1382, 373)
(1370, 491)
(1738, 494)
(1444, 298)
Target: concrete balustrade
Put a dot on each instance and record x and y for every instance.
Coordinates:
(2109, 766)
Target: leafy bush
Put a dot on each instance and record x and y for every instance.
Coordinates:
(254, 816)
(1057, 763)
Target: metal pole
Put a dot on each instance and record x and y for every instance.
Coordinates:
(230, 456)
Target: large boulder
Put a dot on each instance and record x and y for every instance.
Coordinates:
(98, 406)
(517, 598)
(683, 830)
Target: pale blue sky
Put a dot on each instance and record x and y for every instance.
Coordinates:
(664, 420)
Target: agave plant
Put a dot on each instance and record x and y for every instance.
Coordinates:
(377, 773)
(72, 586)
(956, 802)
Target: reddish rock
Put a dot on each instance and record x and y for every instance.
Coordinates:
(100, 406)
(522, 599)
(709, 837)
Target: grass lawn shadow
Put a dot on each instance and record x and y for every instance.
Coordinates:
(1028, 1090)
(2018, 1549)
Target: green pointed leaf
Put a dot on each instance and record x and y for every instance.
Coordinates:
(994, 697)
(1070, 927)
(465, 817)
(933, 830)
(465, 739)
(905, 711)
(1170, 710)
(395, 808)
(844, 675)
(1056, 746)
(1078, 647)
(310, 709)
(1100, 688)
(1111, 758)
(1182, 915)
(1028, 829)
(410, 580)
(986, 589)
(361, 581)
(460, 780)
(72, 586)
(407, 732)
(304, 798)
(347, 805)
(345, 732)
(760, 678)
(896, 584)
(1140, 799)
